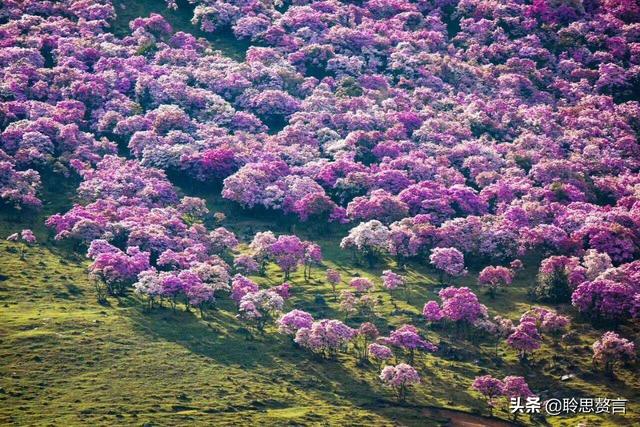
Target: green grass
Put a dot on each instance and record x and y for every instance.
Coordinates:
(180, 20)
(68, 360)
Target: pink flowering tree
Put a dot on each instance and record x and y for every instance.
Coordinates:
(495, 277)
(516, 265)
(549, 321)
(449, 261)
(114, 267)
(259, 248)
(606, 299)
(196, 285)
(611, 349)
(379, 352)
(503, 328)
(294, 320)
(334, 278)
(288, 252)
(514, 387)
(245, 264)
(362, 304)
(490, 388)
(392, 281)
(525, 338)
(325, 337)
(408, 340)
(460, 306)
(400, 378)
(348, 303)
(260, 307)
(240, 286)
(366, 333)
(595, 263)
(432, 312)
(361, 284)
(312, 256)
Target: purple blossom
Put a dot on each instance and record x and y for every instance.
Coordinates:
(294, 320)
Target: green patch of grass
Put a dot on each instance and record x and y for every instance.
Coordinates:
(180, 20)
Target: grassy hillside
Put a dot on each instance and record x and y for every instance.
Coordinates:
(68, 360)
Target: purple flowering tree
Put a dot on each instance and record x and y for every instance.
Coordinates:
(449, 261)
(408, 340)
(610, 350)
(490, 388)
(400, 378)
(495, 277)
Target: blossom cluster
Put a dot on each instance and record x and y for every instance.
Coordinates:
(509, 387)
(458, 305)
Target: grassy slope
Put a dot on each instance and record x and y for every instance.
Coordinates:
(66, 359)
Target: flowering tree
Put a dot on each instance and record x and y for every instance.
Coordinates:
(494, 278)
(400, 377)
(294, 320)
(605, 298)
(196, 285)
(334, 278)
(245, 264)
(115, 268)
(369, 238)
(240, 286)
(260, 307)
(363, 304)
(459, 305)
(525, 338)
(503, 329)
(432, 312)
(516, 265)
(260, 247)
(366, 333)
(448, 261)
(312, 256)
(361, 284)
(548, 321)
(610, 350)
(509, 387)
(380, 352)
(595, 263)
(407, 339)
(490, 388)
(288, 252)
(325, 337)
(348, 302)
(391, 280)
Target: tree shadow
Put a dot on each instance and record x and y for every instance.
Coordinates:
(220, 337)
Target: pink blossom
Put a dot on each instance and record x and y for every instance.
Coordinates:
(294, 320)
(400, 378)
(361, 284)
(611, 349)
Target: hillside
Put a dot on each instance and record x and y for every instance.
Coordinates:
(69, 359)
(176, 160)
